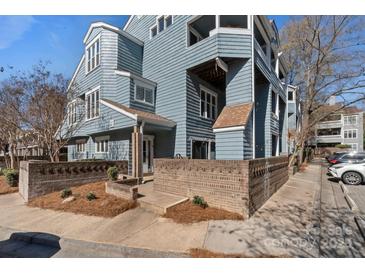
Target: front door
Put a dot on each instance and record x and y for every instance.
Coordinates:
(147, 154)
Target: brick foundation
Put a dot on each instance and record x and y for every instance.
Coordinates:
(236, 185)
(39, 177)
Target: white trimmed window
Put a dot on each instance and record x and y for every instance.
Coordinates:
(144, 93)
(353, 146)
(80, 146)
(208, 103)
(102, 144)
(350, 134)
(162, 22)
(350, 120)
(92, 104)
(93, 55)
(71, 110)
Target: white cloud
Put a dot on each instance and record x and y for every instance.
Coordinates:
(12, 28)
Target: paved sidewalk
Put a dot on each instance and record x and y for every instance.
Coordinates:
(280, 228)
(135, 228)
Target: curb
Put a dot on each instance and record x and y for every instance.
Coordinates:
(109, 250)
(348, 198)
(361, 224)
(359, 220)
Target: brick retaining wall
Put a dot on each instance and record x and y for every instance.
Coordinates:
(237, 185)
(37, 178)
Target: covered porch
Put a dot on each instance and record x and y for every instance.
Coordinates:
(152, 136)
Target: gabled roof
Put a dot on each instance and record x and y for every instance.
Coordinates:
(138, 115)
(128, 22)
(111, 28)
(76, 71)
(233, 116)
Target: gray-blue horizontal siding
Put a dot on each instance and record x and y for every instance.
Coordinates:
(230, 145)
(166, 59)
(270, 75)
(239, 82)
(248, 139)
(262, 114)
(198, 127)
(103, 122)
(130, 55)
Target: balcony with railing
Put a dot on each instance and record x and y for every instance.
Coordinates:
(264, 64)
(329, 124)
(212, 36)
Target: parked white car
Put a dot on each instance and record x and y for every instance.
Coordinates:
(352, 174)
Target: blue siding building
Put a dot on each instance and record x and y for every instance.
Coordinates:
(205, 87)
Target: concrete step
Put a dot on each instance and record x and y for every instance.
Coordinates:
(160, 206)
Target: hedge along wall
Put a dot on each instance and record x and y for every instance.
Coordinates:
(39, 177)
(241, 186)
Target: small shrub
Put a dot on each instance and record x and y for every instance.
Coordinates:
(343, 146)
(11, 176)
(66, 193)
(198, 200)
(91, 196)
(112, 173)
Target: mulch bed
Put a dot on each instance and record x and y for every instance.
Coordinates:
(204, 253)
(105, 205)
(5, 188)
(187, 212)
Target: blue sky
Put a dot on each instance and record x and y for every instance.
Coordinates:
(25, 40)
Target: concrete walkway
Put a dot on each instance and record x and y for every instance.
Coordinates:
(280, 228)
(135, 228)
(307, 217)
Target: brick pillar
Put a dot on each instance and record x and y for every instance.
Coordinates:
(137, 165)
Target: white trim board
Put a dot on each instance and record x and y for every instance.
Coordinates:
(226, 129)
(136, 117)
(128, 22)
(76, 71)
(111, 28)
(136, 77)
(126, 113)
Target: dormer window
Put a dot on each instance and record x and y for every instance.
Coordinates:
(93, 55)
(162, 23)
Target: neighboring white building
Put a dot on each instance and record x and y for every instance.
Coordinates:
(343, 128)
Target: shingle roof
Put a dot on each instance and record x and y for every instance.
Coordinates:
(232, 116)
(143, 115)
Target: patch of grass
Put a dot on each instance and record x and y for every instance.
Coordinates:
(204, 253)
(188, 212)
(5, 188)
(105, 205)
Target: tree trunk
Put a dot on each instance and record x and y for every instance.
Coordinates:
(11, 155)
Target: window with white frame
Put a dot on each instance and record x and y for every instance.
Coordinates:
(144, 93)
(350, 134)
(71, 110)
(350, 120)
(162, 23)
(92, 104)
(102, 144)
(291, 95)
(80, 146)
(208, 103)
(93, 55)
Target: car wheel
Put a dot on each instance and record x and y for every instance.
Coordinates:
(352, 178)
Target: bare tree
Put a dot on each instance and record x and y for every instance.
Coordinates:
(10, 121)
(326, 58)
(43, 108)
